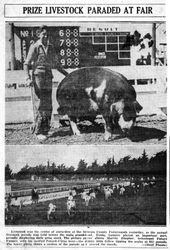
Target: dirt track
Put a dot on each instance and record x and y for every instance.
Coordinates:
(148, 130)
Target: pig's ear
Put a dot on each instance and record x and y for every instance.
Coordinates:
(137, 106)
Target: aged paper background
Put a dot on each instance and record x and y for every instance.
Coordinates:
(20, 148)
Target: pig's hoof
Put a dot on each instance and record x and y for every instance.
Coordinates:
(41, 137)
(76, 132)
(107, 136)
(74, 128)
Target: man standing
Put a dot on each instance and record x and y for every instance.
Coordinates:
(42, 56)
(35, 195)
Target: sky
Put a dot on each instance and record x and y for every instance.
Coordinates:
(17, 156)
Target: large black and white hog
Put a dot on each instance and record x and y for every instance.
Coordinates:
(88, 92)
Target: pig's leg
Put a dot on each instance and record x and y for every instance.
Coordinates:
(107, 127)
(106, 112)
(73, 126)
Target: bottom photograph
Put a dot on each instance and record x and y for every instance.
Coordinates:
(85, 185)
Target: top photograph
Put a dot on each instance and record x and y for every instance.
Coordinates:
(85, 83)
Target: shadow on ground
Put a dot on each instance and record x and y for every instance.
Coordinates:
(138, 133)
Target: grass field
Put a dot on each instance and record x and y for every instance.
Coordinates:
(143, 208)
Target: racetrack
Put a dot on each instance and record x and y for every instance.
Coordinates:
(149, 129)
(146, 208)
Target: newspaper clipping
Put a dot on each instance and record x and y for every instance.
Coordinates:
(85, 145)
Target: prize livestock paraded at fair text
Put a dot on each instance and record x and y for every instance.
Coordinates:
(59, 10)
(88, 92)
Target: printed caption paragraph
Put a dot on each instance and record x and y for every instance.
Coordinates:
(86, 238)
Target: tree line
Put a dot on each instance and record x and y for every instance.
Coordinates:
(126, 165)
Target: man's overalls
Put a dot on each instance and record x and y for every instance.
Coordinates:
(42, 90)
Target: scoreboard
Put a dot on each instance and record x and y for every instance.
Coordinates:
(75, 48)
(68, 47)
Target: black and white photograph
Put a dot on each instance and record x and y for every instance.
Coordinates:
(85, 83)
(90, 185)
(85, 125)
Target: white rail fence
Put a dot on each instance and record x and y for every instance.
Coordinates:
(24, 196)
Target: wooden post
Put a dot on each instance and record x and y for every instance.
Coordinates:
(12, 47)
(154, 43)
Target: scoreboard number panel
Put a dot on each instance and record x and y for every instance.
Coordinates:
(68, 47)
(75, 48)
